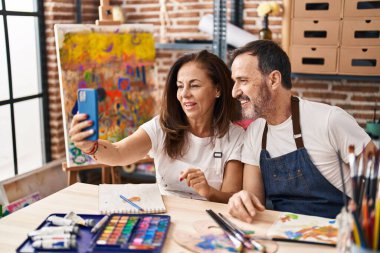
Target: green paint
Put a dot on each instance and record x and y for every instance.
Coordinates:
(292, 216)
(249, 232)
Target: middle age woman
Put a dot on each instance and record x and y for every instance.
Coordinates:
(196, 148)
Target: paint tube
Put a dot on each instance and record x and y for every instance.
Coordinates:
(55, 230)
(54, 244)
(59, 221)
(79, 220)
(54, 237)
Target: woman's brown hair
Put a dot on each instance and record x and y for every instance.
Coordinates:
(173, 120)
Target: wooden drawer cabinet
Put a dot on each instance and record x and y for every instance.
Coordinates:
(334, 36)
(315, 32)
(359, 61)
(361, 8)
(317, 9)
(310, 59)
(361, 32)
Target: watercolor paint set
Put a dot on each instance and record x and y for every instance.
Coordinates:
(130, 233)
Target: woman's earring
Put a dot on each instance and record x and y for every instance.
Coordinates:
(217, 95)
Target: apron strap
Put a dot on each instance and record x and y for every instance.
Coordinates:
(296, 122)
(296, 125)
(264, 139)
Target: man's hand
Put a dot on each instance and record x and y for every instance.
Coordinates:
(243, 205)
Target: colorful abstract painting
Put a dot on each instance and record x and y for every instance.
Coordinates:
(118, 61)
(304, 228)
(206, 243)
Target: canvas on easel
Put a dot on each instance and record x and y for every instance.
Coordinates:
(118, 61)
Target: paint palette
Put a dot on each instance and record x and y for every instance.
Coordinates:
(137, 233)
(133, 233)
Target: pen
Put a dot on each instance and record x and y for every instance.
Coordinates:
(99, 224)
(131, 203)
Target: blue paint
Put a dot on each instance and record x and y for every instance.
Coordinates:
(138, 72)
(129, 71)
(124, 84)
(143, 74)
(215, 242)
(293, 235)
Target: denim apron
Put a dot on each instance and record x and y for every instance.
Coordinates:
(293, 183)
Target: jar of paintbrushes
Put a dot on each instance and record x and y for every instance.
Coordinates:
(363, 210)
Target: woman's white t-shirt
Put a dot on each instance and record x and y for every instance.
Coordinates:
(200, 154)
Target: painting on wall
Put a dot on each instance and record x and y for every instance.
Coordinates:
(118, 61)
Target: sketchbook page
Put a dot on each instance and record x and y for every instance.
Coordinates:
(146, 196)
(300, 227)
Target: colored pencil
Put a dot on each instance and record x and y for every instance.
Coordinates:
(377, 221)
(359, 229)
(131, 203)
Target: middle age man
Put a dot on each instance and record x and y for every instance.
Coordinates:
(290, 151)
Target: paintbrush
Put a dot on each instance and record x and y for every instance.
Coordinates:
(374, 177)
(257, 245)
(353, 172)
(361, 179)
(228, 229)
(364, 187)
(343, 184)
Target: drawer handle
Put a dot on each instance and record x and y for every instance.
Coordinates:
(315, 21)
(368, 5)
(317, 6)
(315, 34)
(313, 61)
(364, 49)
(367, 34)
(363, 63)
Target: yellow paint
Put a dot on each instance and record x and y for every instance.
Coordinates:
(79, 48)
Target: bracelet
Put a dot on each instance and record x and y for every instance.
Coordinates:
(93, 150)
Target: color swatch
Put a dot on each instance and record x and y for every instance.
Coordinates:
(133, 232)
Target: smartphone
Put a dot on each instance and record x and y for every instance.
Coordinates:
(88, 104)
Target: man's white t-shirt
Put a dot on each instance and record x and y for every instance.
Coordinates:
(325, 130)
(201, 154)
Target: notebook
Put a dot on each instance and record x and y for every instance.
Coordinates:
(304, 228)
(146, 196)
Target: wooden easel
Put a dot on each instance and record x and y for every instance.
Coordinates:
(105, 14)
(105, 18)
(73, 172)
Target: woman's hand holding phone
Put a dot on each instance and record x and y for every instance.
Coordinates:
(78, 136)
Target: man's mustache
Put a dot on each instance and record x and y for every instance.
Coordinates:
(243, 97)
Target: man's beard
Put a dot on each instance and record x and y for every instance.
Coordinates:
(261, 105)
